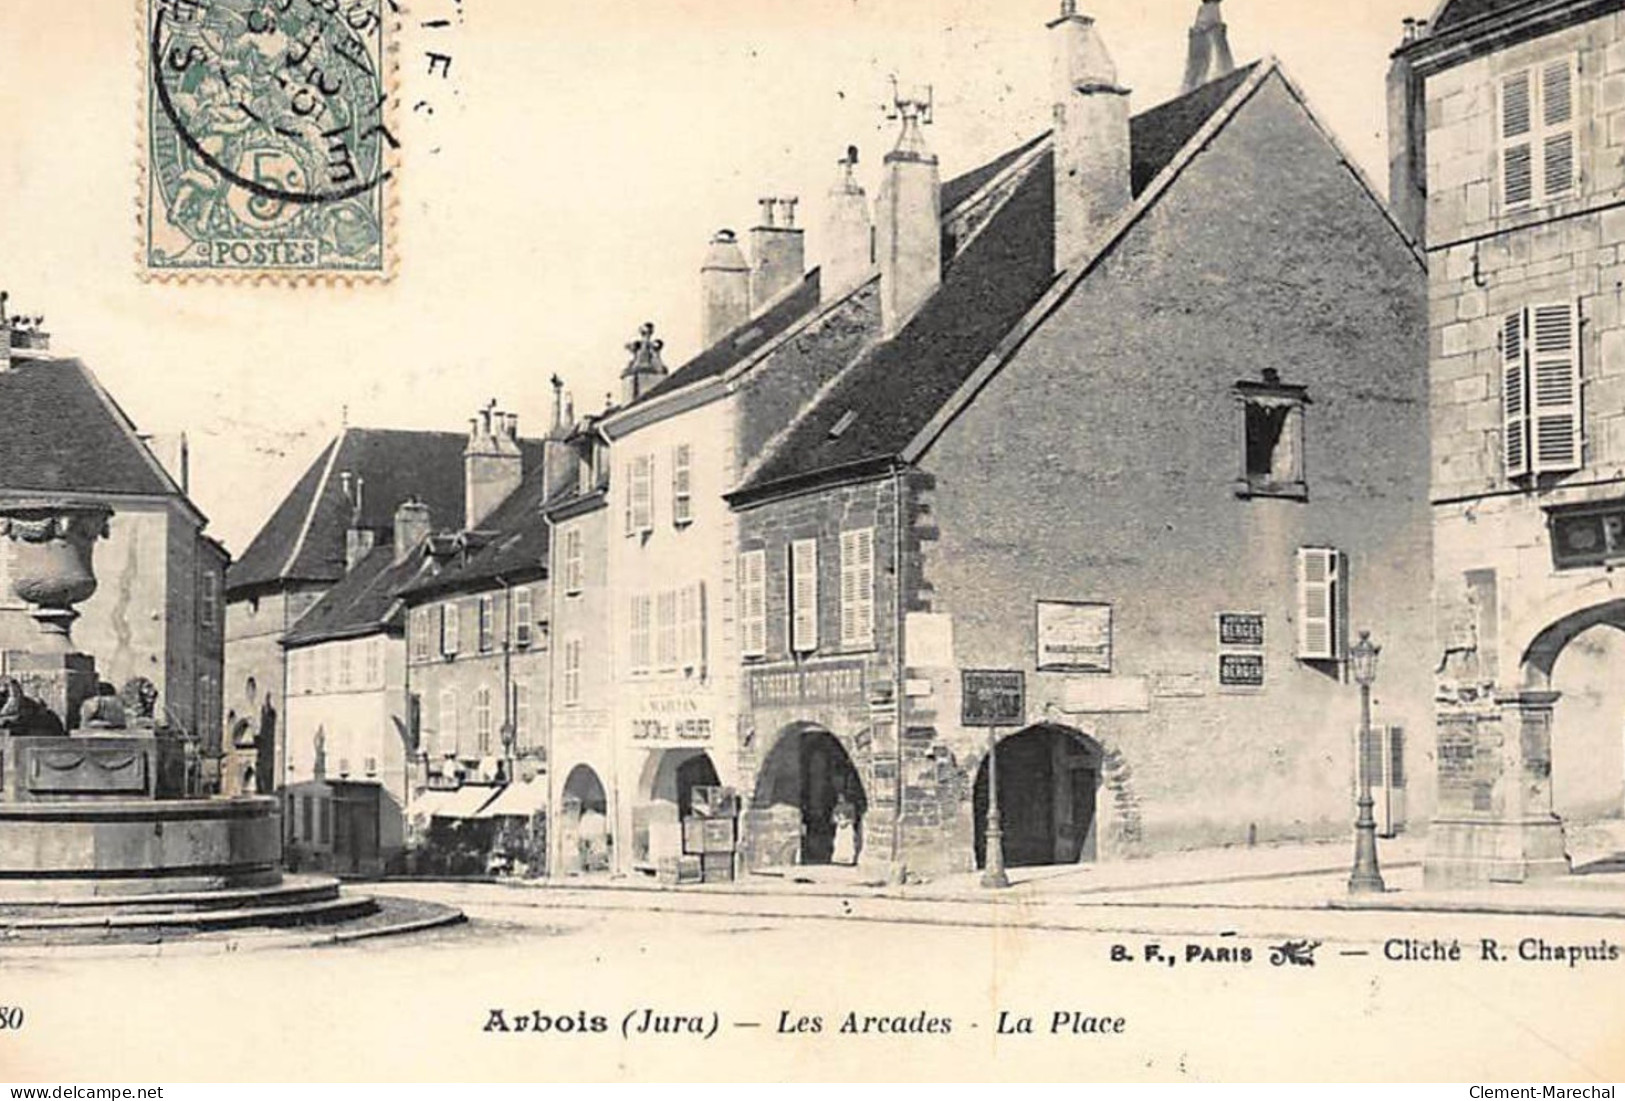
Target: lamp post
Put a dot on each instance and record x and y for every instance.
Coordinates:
(993, 839)
(1365, 878)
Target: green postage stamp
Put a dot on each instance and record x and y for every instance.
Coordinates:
(267, 147)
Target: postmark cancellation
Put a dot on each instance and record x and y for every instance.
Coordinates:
(266, 143)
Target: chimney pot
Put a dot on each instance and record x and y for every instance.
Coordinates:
(908, 220)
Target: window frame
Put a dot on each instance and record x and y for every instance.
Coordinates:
(1273, 394)
(682, 485)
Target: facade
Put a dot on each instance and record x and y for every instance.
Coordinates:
(1060, 468)
(1508, 129)
(157, 611)
(341, 507)
(582, 746)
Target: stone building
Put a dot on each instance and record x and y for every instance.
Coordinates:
(479, 642)
(340, 508)
(1149, 434)
(1508, 124)
(157, 611)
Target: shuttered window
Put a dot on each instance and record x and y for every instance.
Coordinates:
(666, 629)
(642, 494)
(641, 640)
(450, 627)
(482, 720)
(1540, 390)
(1322, 604)
(521, 714)
(691, 628)
(524, 614)
(488, 622)
(682, 493)
(753, 603)
(1538, 153)
(573, 561)
(804, 596)
(858, 587)
(572, 671)
(448, 721)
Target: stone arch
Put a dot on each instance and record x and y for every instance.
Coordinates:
(585, 833)
(808, 800)
(1050, 777)
(1539, 656)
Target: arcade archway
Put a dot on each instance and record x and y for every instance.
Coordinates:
(666, 800)
(584, 833)
(808, 805)
(1048, 776)
(1581, 657)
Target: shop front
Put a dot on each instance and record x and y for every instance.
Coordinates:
(673, 739)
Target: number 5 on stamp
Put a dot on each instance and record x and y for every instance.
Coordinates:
(266, 139)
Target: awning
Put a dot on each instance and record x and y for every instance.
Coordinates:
(519, 800)
(463, 802)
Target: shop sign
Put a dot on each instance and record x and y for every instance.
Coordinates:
(993, 697)
(671, 720)
(1241, 670)
(1241, 629)
(843, 684)
(1074, 637)
(1588, 536)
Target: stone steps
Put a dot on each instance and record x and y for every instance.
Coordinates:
(303, 900)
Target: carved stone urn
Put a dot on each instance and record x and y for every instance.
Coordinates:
(51, 544)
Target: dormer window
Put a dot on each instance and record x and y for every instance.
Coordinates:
(1272, 438)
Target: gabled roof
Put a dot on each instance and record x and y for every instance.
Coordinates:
(511, 545)
(364, 602)
(737, 345)
(885, 398)
(64, 433)
(1453, 13)
(304, 540)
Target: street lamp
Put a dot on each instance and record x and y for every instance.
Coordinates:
(1365, 878)
(993, 838)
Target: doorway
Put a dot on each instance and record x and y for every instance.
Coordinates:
(1048, 778)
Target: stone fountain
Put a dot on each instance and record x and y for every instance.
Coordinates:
(92, 786)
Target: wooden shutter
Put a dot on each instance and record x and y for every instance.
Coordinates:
(682, 501)
(857, 587)
(1517, 153)
(643, 493)
(1322, 601)
(753, 603)
(640, 640)
(1553, 395)
(1557, 137)
(572, 560)
(1514, 395)
(804, 596)
(449, 627)
(691, 630)
(666, 629)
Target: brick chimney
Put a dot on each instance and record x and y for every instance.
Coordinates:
(908, 230)
(492, 465)
(1091, 135)
(848, 232)
(1208, 57)
(778, 252)
(412, 526)
(724, 288)
(645, 368)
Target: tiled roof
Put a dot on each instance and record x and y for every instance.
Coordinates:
(885, 398)
(962, 187)
(1458, 12)
(512, 543)
(64, 432)
(736, 346)
(305, 537)
(363, 602)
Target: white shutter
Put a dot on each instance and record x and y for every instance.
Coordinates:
(691, 627)
(1321, 603)
(857, 587)
(572, 670)
(1514, 395)
(450, 624)
(1517, 154)
(753, 603)
(1557, 118)
(643, 493)
(682, 502)
(572, 560)
(640, 640)
(523, 613)
(804, 596)
(666, 629)
(631, 491)
(1554, 390)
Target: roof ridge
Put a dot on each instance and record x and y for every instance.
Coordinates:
(298, 545)
(1070, 278)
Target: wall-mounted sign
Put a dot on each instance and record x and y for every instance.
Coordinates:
(1241, 629)
(844, 683)
(1587, 536)
(671, 721)
(1241, 670)
(1074, 637)
(993, 697)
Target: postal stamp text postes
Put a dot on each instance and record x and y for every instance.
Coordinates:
(267, 144)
